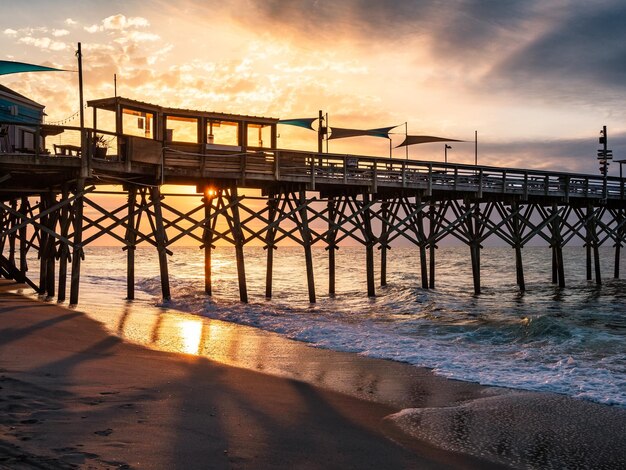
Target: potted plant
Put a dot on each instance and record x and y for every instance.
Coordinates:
(102, 146)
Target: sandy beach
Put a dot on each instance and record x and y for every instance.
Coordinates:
(74, 395)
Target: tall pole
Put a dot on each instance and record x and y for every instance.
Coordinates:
(326, 132)
(406, 135)
(320, 133)
(83, 141)
(114, 85)
(476, 148)
(79, 55)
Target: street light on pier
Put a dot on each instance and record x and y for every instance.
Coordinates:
(446, 147)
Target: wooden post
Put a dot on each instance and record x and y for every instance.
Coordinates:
(517, 236)
(596, 253)
(555, 272)
(306, 242)
(272, 204)
(13, 235)
(50, 248)
(588, 241)
(383, 243)
(558, 271)
(239, 242)
(332, 234)
(23, 240)
(475, 247)
(432, 246)
(161, 241)
(64, 250)
(131, 239)
(369, 246)
(43, 246)
(77, 252)
(422, 244)
(618, 243)
(207, 240)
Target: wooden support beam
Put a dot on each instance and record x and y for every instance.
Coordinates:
(239, 242)
(369, 246)
(272, 204)
(161, 241)
(383, 243)
(432, 245)
(331, 236)
(207, 240)
(588, 242)
(558, 271)
(64, 250)
(43, 246)
(423, 242)
(77, 252)
(131, 242)
(596, 252)
(12, 235)
(306, 242)
(22, 237)
(517, 237)
(474, 230)
(618, 242)
(51, 249)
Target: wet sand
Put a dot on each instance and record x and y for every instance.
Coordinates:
(75, 395)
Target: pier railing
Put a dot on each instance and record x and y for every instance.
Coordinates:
(319, 170)
(350, 170)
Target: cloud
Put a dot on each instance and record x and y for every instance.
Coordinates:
(43, 43)
(70, 22)
(529, 47)
(57, 33)
(588, 47)
(10, 32)
(118, 22)
(570, 155)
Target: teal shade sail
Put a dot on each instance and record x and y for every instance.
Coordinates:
(341, 133)
(7, 67)
(424, 139)
(306, 123)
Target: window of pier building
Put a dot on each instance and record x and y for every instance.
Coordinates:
(181, 129)
(222, 132)
(137, 123)
(259, 135)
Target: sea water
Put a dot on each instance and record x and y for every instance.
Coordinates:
(570, 341)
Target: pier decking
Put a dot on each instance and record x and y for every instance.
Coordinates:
(307, 198)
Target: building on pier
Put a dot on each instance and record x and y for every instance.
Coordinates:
(18, 114)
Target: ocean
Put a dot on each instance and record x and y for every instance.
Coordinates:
(570, 341)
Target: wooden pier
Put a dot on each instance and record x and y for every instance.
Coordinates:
(48, 199)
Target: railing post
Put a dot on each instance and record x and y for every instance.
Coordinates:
(277, 165)
(525, 186)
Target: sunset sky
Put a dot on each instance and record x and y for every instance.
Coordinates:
(537, 79)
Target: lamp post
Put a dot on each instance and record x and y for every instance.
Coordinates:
(445, 152)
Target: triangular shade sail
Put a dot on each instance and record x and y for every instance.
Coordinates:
(424, 139)
(307, 123)
(342, 133)
(7, 67)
